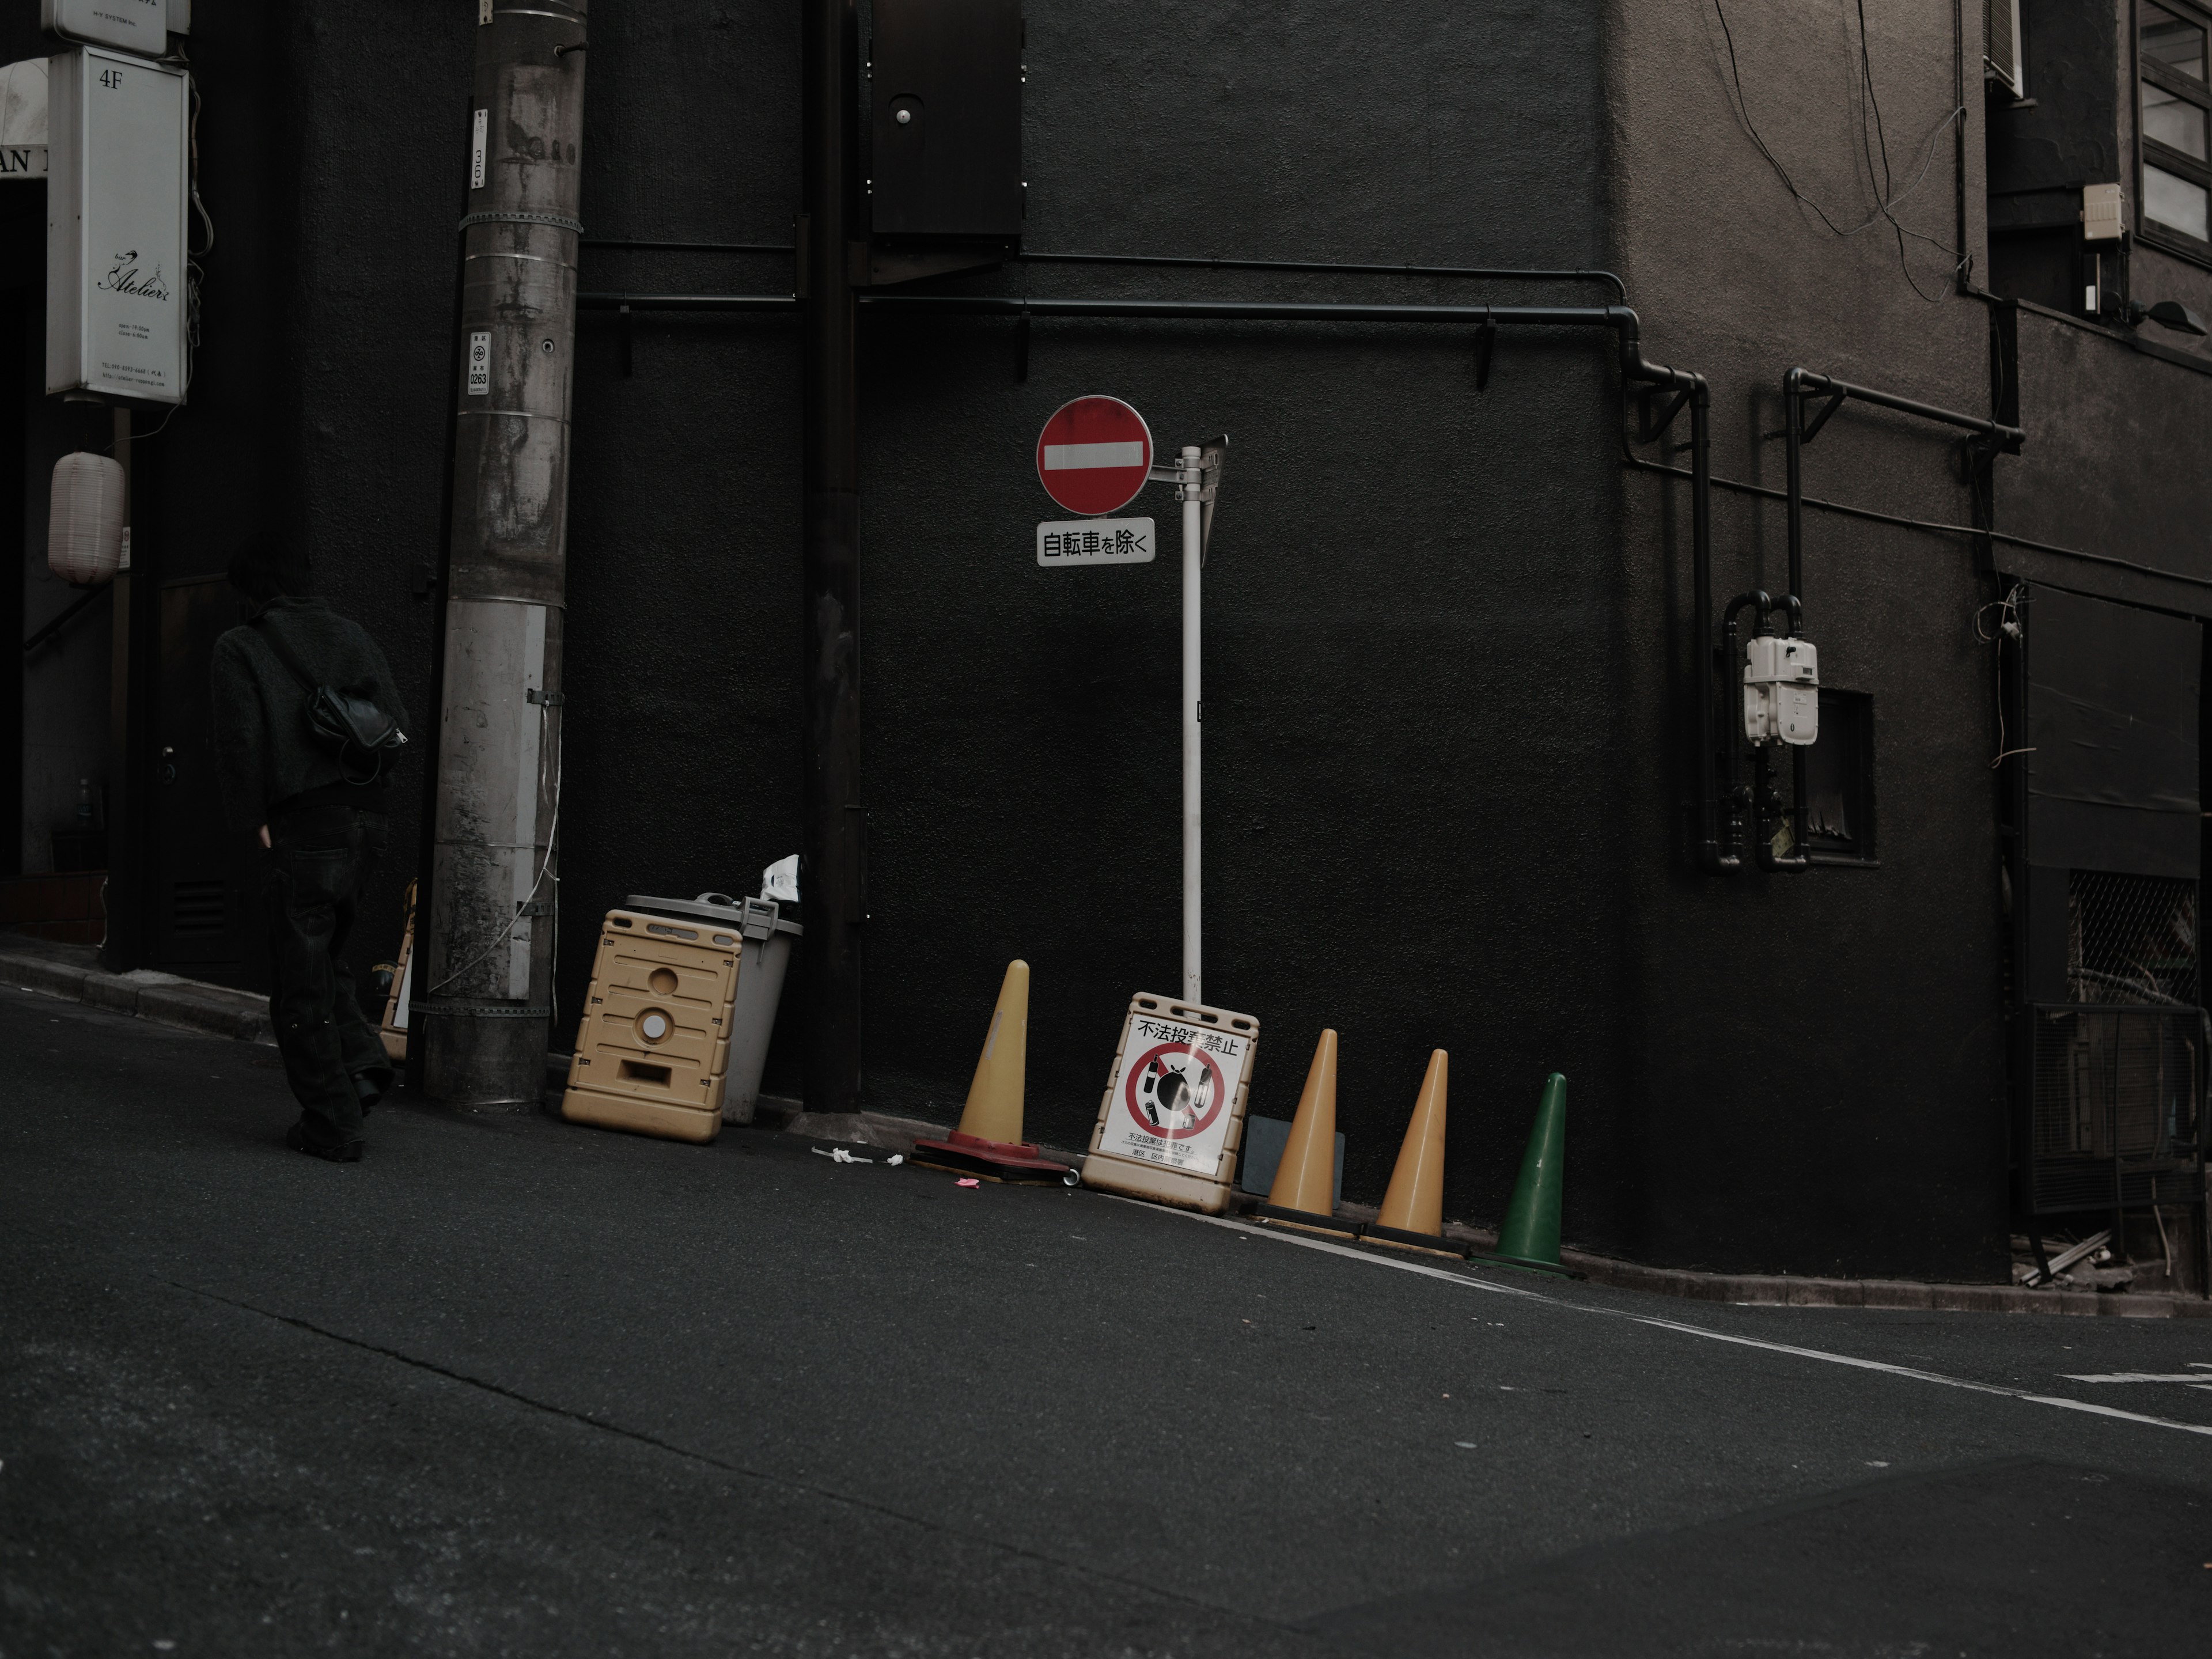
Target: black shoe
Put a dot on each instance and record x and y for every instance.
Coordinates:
(345, 1152)
(370, 1091)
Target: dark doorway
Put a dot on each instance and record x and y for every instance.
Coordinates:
(201, 919)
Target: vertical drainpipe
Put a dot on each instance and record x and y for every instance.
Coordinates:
(486, 978)
(830, 886)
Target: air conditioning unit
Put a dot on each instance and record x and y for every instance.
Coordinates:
(2002, 60)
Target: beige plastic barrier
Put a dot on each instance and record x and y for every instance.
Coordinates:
(654, 1042)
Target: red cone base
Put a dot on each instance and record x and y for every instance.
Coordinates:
(1002, 1160)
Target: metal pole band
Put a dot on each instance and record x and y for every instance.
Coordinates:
(524, 216)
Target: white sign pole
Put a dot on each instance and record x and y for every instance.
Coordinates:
(1188, 480)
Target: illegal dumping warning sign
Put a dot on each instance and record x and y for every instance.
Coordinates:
(1175, 1103)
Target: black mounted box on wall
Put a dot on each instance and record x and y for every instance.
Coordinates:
(945, 127)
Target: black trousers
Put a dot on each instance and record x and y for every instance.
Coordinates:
(319, 859)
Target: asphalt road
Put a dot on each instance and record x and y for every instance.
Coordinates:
(511, 1386)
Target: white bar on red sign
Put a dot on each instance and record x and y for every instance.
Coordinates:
(1096, 541)
(1060, 457)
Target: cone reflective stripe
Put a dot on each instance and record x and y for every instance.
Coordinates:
(994, 1111)
(1305, 1189)
(1530, 1236)
(989, 1139)
(1306, 1178)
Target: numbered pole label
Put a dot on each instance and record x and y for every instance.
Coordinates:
(479, 362)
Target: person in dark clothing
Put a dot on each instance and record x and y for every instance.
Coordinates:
(320, 814)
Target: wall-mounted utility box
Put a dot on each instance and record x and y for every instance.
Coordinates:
(2104, 213)
(140, 26)
(945, 119)
(116, 196)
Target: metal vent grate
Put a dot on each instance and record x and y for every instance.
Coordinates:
(2119, 1095)
(199, 906)
(2130, 939)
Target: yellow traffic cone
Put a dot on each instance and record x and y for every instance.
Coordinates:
(989, 1139)
(1413, 1216)
(1304, 1191)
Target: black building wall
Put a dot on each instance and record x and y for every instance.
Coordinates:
(1410, 632)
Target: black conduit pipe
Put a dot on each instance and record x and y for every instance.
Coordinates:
(1636, 369)
(1990, 438)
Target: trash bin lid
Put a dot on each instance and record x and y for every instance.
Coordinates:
(755, 917)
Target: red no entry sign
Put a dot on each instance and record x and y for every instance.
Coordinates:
(1094, 455)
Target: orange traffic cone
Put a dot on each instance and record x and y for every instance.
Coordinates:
(1305, 1192)
(989, 1141)
(1413, 1216)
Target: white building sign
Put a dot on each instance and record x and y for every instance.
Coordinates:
(140, 26)
(23, 119)
(115, 229)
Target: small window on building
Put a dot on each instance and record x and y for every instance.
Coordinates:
(1839, 781)
(2174, 111)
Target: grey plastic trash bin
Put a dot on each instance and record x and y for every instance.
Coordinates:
(767, 935)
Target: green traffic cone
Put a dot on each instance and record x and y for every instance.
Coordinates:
(1530, 1236)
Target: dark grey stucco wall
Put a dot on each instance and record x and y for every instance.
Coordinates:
(1816, 1082)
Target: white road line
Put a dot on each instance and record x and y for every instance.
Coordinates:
(1471, 1282)
(2060, 1400)
(2140, 1376)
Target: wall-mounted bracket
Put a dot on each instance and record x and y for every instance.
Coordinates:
(1807, 429)
(1650, 428)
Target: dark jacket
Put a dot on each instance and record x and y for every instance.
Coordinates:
(266, 754)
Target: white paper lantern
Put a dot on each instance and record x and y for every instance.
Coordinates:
(84, 524)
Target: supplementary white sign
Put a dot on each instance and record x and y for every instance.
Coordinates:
(1096, 541)
(1171, 1099)
(115, 227)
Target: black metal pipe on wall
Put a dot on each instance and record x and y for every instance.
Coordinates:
(1688, 389)
(1990, 438)
(830, 886)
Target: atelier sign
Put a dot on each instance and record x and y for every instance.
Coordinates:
(115, 237)
(1096, 541)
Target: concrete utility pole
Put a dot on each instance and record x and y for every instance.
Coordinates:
(829, 254)
(486, 980)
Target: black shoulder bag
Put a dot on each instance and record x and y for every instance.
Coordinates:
(340, 721)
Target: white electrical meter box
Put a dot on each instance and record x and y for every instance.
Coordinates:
(1781, 690)
(140, 26)
(2104, 213)
(116, 195)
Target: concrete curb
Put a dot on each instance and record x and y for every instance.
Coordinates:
(163, 998)
(1756, 1290)
(1788, 1292)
